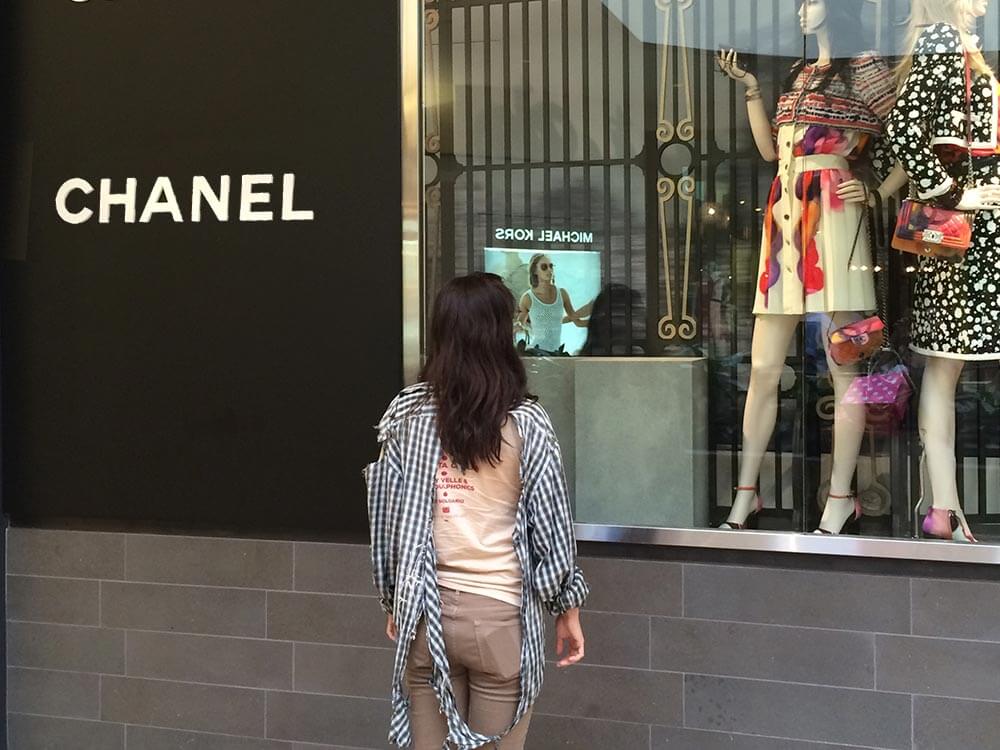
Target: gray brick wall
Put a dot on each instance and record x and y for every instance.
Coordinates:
(155, 642)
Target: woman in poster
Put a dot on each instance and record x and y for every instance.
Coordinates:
(544, 308)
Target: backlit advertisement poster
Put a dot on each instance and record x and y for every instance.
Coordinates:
(554, 291)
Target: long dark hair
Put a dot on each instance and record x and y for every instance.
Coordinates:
(472, 367)
(847, 41)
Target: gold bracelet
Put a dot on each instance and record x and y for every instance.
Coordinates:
(753, 96)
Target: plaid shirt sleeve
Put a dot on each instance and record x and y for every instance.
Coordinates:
(383, 479)
(557, 579)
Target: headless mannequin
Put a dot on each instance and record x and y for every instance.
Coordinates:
(773, 333)
(936, 415)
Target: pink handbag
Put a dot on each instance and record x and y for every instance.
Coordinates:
(885, 393)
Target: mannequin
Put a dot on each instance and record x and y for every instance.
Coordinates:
(810, 261)
(956, 307)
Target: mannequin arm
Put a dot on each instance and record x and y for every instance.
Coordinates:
(937, 61)
(760, 125)
(892, 184)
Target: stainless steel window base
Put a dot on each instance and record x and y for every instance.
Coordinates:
(784, 541)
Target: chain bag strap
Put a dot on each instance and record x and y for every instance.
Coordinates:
(858, 341)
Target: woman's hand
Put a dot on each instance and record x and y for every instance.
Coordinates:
(729, 64)
(985, 197)
(390, 628)
(854, 191)
(569, 637)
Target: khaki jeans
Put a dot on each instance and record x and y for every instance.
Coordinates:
(482, 639)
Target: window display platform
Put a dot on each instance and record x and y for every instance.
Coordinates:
(782, 541)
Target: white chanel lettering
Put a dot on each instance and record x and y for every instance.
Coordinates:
(255, 198)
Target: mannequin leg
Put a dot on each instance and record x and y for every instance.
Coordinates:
(848, 433)
(772, 335)
(936, 419)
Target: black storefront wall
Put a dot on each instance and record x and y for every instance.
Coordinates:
(220, 373)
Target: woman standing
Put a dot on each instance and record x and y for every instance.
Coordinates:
(956, 306)
(471, 533)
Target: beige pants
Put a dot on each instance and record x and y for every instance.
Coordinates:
(482, 639)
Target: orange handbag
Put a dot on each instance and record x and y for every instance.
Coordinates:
(932, 232)
(923, 229)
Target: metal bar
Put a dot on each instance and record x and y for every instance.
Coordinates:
(651, 173)
(546, 115)
(567, 187)
(447, 178)
(470, 217)
(585, 65)
(411, 25)
(526, 83)
(507, 121)
(488, 116)
(843, 545)
(606, 127)
(626, 176)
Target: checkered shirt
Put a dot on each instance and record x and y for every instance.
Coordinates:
(400, 507)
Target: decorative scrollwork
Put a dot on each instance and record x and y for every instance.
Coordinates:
(688, 328)
(431, 19)
(666, 190)
(433, 144)
(684, 128)
(665, 131)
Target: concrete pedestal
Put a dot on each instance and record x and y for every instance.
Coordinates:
(634, 436)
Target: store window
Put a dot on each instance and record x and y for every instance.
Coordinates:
(687, 266)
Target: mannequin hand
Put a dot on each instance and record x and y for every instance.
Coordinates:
(729, 64)
(987, 197)
(853, 191)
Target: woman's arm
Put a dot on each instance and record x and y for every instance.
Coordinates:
(523, 310)
(557, 580)
(572, 315)
(383, 480)
(760, 121)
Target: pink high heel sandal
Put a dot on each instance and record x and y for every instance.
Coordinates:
(943, 523)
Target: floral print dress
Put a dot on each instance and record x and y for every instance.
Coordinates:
(813, 256)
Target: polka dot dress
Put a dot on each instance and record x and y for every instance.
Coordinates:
(956, 307)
